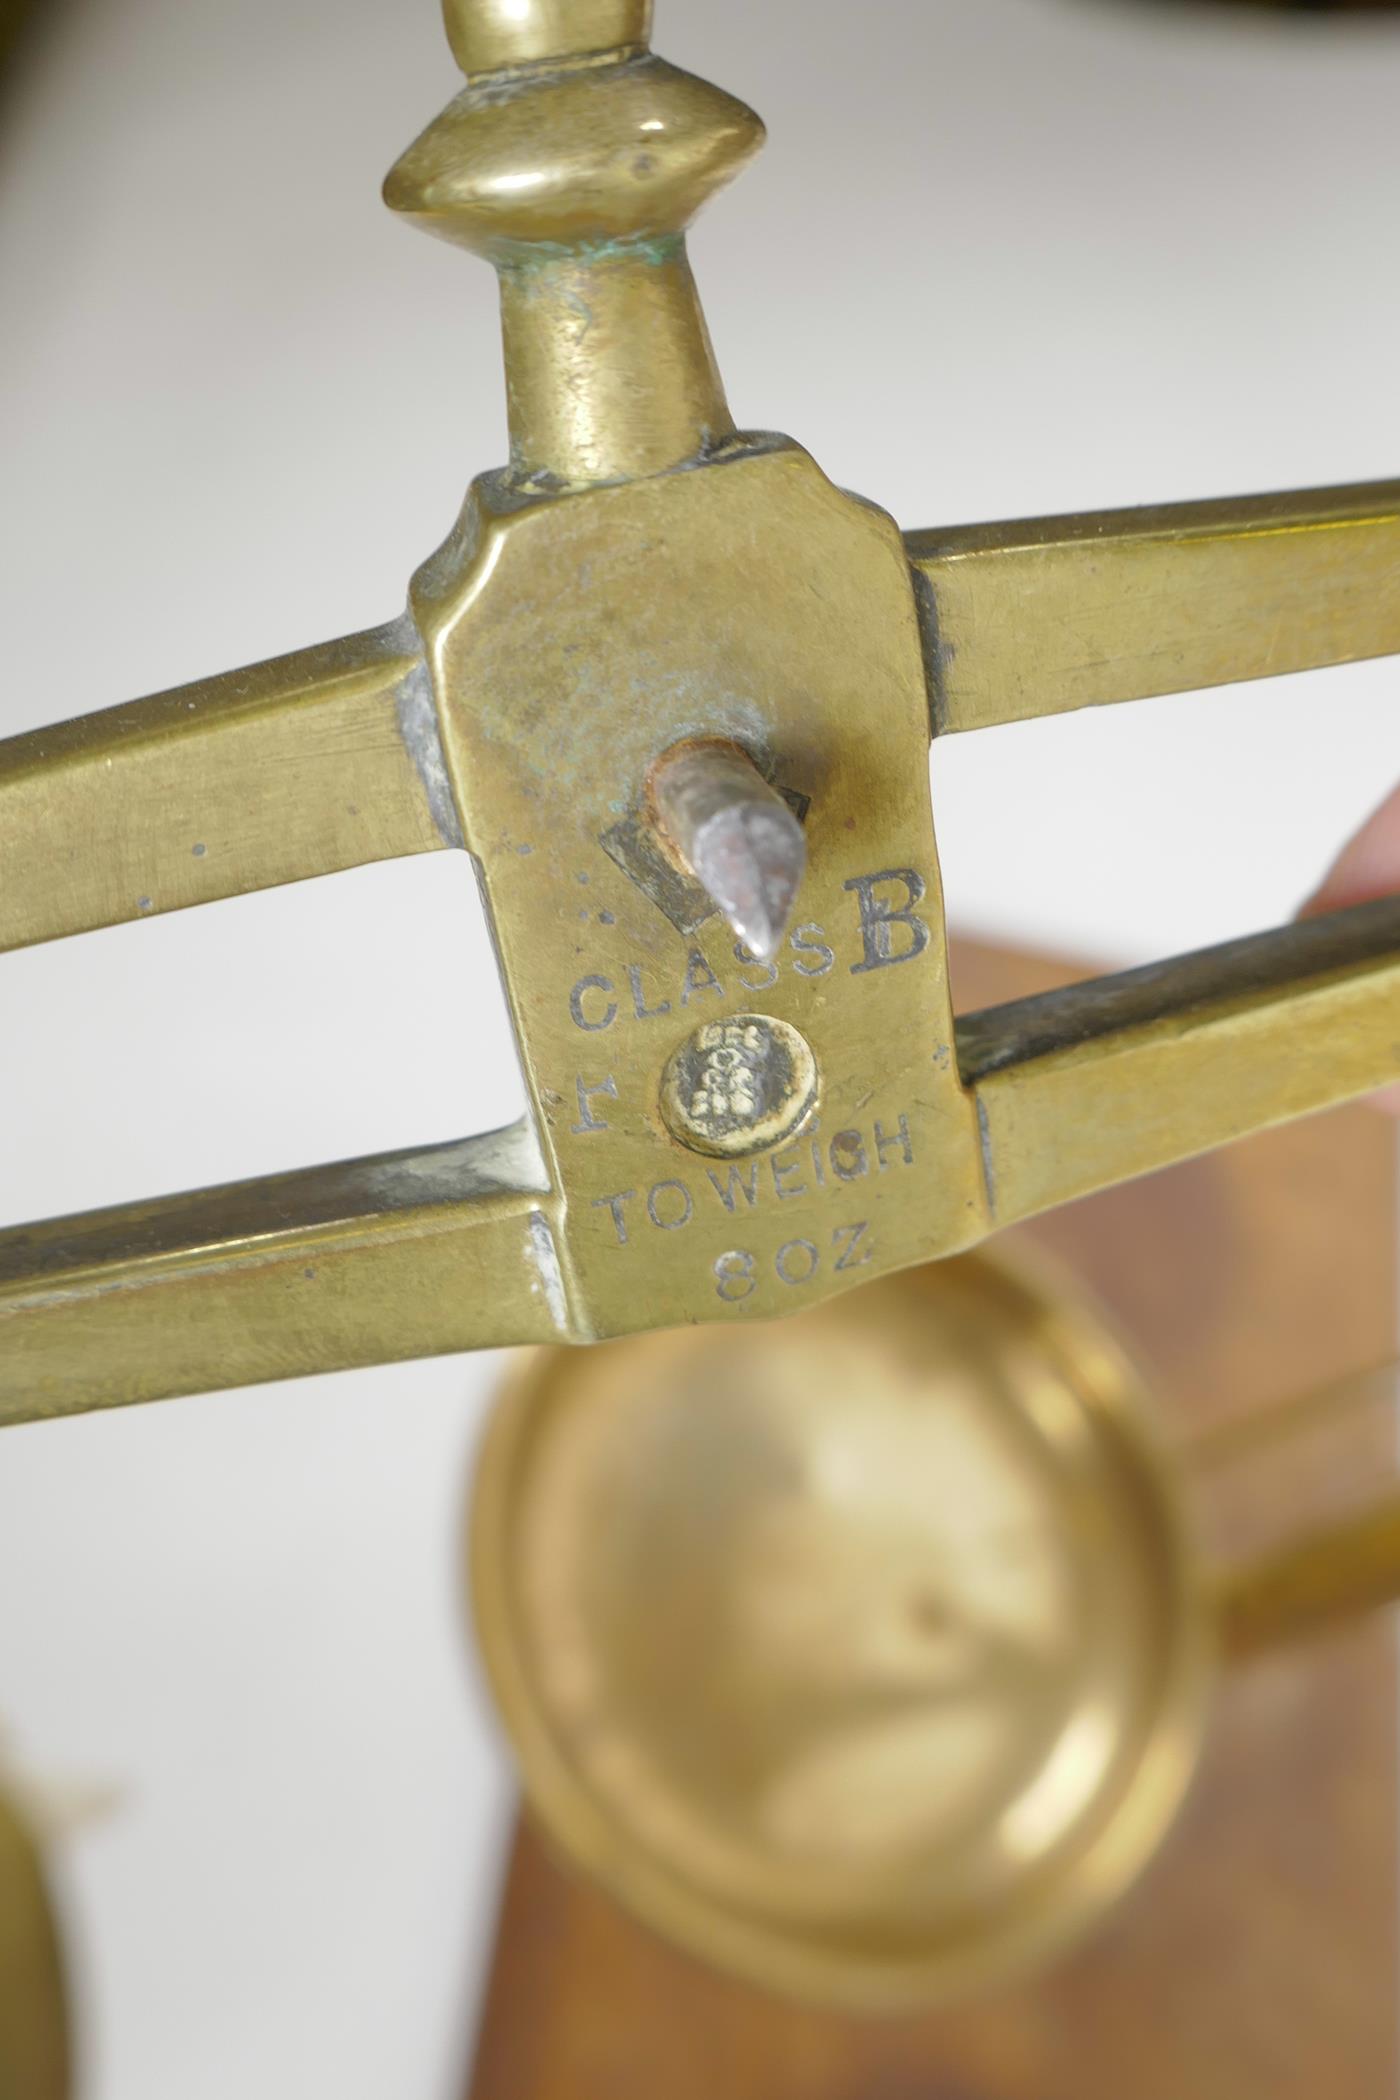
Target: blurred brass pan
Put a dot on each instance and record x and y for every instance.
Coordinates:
(862, 1654)
(867, 1655)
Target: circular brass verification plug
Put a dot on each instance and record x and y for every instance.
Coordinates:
(739, 1086)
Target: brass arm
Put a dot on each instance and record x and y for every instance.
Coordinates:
(1051, 614)
(1329, 1576)
(313, 762)
(411, 1254)
(1114, 1078)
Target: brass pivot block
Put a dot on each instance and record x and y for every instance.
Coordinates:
(747, 1088)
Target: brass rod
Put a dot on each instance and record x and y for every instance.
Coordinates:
(1243, 1438)
(1307, 1489)
(1337, 1572)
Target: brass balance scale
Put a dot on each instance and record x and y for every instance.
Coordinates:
(867, 1651)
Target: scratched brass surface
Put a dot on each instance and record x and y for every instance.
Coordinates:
(641, 573)
(33, 2027)
(866, 1656)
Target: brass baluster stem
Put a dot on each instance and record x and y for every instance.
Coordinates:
(574, 161)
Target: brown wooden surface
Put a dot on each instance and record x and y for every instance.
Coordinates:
(1258, 1960)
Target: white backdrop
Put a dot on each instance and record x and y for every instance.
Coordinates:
(1002, 256)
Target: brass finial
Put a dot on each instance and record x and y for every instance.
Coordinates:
(574, 160)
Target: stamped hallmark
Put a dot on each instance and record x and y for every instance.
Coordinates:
(738, 1086)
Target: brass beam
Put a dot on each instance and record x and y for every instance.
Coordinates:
(1114, 1078)
(410, 1254)
(1051, 614)
(311, 763)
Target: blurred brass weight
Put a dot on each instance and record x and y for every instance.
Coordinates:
(866, 1655)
